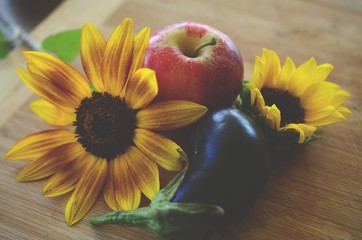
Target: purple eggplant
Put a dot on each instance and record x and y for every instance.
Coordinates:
(226, 172)
(229, 165)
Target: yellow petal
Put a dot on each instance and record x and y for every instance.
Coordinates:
(272, 68)
(163, 151)
(66, 179)
(87, 190)
(286, 73)
(273, 117)
(258, 76)
(295, 128)
(139, 52)
(318, 95)
(322, 72)
(51, 162)
(144, 172)
(141, 89)
(38, 144)
(344, 111)
(339, 98)
(118, 57)
(260, 102)
(121, 192)
(305, 131)
(169, 115)
(129, 195)
(92, 45)
(109, 190)
(303, 78)
(39, 86)
(56, 79)
(324, 116)
(51, 114)
(33, 83)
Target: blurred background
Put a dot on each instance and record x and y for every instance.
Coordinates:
(26, 14)
(19, 17)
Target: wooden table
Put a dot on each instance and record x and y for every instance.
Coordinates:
(314, 193)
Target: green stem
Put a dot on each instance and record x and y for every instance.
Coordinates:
(93, 89)
(169, 220)
(139, 218)
(202, 45)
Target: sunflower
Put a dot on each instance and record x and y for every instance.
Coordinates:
(105, 139)
(296, 99)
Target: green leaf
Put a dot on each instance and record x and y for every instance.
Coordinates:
(4, 46)
(245, 96)
(66, 45)
(312, 138)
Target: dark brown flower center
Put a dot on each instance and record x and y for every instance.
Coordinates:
(104, 125)
(290, 108)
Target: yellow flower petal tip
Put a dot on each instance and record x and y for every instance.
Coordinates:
(163, 151)
(301, 95)
(9, 155)
(141, 88)
(25, 175)
(127, 20)
(49, 193)
(29, 54)
(20, 178)
(70, 220)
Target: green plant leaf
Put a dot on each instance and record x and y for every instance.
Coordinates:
(65, 44)
(312, 138)
(4, 46)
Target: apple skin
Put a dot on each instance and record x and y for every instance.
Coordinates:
(212, 77)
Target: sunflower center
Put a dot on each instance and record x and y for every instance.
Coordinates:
(104, 125)
(290, 108)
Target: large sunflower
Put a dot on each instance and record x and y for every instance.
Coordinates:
(294, 98)
(105, 139)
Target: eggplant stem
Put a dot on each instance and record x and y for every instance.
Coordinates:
(167, 193)
(169, 220)
(139, 218)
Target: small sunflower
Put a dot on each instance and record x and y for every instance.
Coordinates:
(297, 99)
(105, 139)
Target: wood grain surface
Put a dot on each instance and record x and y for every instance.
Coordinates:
(314, 193)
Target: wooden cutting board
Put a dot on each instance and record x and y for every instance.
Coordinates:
(314, 193)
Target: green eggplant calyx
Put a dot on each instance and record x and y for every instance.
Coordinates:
(169, 220)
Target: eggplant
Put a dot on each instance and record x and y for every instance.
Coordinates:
(229, 164)
(225, 173)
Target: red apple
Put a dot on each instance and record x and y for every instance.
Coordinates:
(195, 62)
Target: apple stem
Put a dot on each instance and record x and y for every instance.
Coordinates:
(202, 45)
